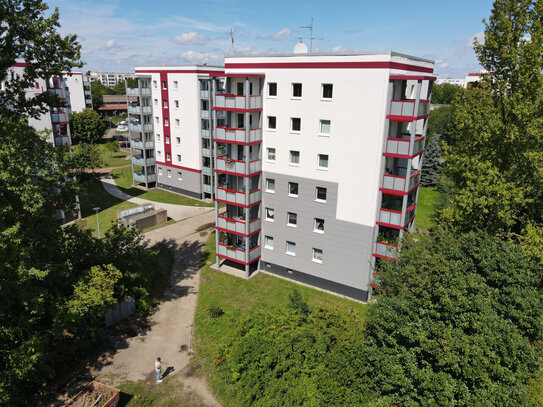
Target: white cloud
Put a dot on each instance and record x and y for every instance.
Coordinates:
(278, 36)
(110, 43)
(200, 57)
(190, 38)
(244, 49)
(480, 37)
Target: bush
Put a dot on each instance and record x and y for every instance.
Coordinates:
(215, 311)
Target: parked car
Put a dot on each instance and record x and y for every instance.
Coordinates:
(123, 123)
(119, 137)
(122, 128)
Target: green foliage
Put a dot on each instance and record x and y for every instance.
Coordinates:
(444, 94)
(297, 304)
(28, 34)
(87, 127)
(215, 311)
(112, 147)
(98, 90)
(440, 122)
(86, 156)
(431, 165)
(457, 322)
(119, 88)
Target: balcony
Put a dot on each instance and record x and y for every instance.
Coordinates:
(61, 140)
(139, 160)
(142, 145)
(232, 135)
(399, 147)
(237, 254)
(134, 109)
(60, 117)
(140, 127)
(58, 92)
(391, 218)
(88, 93)
(204, 94)
(205, 133)
(206, 188)
(204, 114)
(206, 170)
(238, 102)
(398, 185)
(236, 225)
(138, 91)
(140, 177)
(238, 198)
(386, 251)
(404, 110)
(229, 166)
(206, 152)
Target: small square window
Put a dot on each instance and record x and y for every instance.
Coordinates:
(296, 90)
(295, 124)
(164, 85)
(159, 170)
(177, 122)
(272, 89)
(169, 173)
(179, 175)
(317, 255)
(167, 139)
(319, 225)
(166, 122)
(168, 157)
(175, 85)
(270, 214)
(155, 102)
(294, 157)
(268, 242)
(154, 84)
(292, 189)
(323, 161)
(324, 128)
(270, 185)
(165, 104)
(292, 219)
(321, 194)
(271, 154)
(291, 248)
(178, 158)
(272, 123)
(176, 103)
(327, 89)
(178, 140)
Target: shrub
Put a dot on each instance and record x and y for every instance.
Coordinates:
(215, 311)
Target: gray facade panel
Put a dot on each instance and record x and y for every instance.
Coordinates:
(347, 247)
(190, 184)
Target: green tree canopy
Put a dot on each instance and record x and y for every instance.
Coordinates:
(444, 93)
(87, 126)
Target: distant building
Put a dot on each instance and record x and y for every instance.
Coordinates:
(464, 82)
(458, 82)
(109, 79)
(114, 104)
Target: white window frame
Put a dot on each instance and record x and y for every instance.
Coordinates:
(177, 122)
(268, 239)
(319, 162)
(272, 96)
(176, 104)
(272, 219)
(316, 258)
(268, 151)
(291, 156)
(166, 122)
(176, 84)
(315, 228)
(291, 253)
(292, 125)
(178, 158)
(268, 189)
(165, 103)
(159, 170)
(167, 139)
(317, 194)
(292, 90)
(169, 173)
(179, 176)
(168, 157)
(268, 124)
(329, 127)
(322, 92)
(178, 141)
(295, 218)
(297, 186)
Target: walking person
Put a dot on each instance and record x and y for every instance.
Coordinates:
(158, 369)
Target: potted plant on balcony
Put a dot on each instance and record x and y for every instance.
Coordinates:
(220, 147)
(229, 160)
(222, 236)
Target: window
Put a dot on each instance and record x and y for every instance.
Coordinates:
(272, 122)
(317, 255)
(296, 90)
(291, 248)
(179, 175)
(159, 170)
(270, 185)
(292, 219)
(323, 161)
(168, 157)
(324, 128)
(270, 214)
(268, 242)
(320, 194)
(165, 104)
(166, 122)
(272, 89)
(292, 189)
(327, 90)
(176, 85)
(164, 85)
(271, 154)
(156, 102)
(176, 102)
(319, 225)
(295, 124)
(178, 158)
(169, 173)
(178, 140)
(294, 157)
(159, 153)
(157, 120)
(158, 137)
(177, 122)
(154, 84)
(167, 139)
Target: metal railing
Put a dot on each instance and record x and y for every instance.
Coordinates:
(238, 135)
(238, 102)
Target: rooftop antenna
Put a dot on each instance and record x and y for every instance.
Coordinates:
(311, 38)
(232, 37)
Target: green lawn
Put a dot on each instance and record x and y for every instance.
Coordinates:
(170, 393)
(94, 195)
(113, 159)
(239, 297)
(426, 208)
(123, 179)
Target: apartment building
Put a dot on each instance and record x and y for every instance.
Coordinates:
(170, 128)
(317, 163)
(109, 79)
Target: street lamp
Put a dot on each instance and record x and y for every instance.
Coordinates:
(97, 220)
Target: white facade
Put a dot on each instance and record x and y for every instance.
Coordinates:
(109, 79)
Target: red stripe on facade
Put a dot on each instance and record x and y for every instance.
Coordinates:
(330, 65)
(211, 73)
(413, 77)
(165, 114)
(237, 261)
(178, 167)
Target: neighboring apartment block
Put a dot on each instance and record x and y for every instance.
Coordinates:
(170, 126)
(109, 79)
(315, 158)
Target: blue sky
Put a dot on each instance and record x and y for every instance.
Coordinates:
(117, 35)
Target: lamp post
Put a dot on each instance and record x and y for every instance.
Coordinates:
(97, 220)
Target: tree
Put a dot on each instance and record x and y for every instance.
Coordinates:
(98, 90)
(27, 34)
(112, 147)
(432, 163)
(119, 88)
(86, 156)
(87, 126)
(496, 160)
(440, 122)
(444, 94)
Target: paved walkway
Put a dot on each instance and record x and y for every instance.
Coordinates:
(176, 212)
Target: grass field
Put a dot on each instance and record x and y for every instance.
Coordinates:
(123, 179)
(113, 159)
(238, 297)
(170, 393)
(426, 208)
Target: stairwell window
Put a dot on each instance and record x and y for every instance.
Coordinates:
(166, 122)
(164, 85)
(176, 102)
(165, 104)
(169, 173)
(177, 122)
(167, 139)
(168, 157)
(159, 170)
(178, 158)
(155, 84)
(178, 140)
(327, 90)
(176, 85)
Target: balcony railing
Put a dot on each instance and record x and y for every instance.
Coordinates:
(206, 188)
(140, 127)
(238, 197)
(139, 160)
(204, 94)
(227, 134)
(389, 217)
(134, 109)
(398, 184)
(238, 167)
(88, 92)
(236, 225)
(206, 152)
(406, 108)
(59, 117)
(60, 140)
(204, 114)
(399, 147)
(237, 253)
(386, 250)
(138, 143)
(206, 170)
(238, 102)
(136, 91)
(205, 133)
(140, 177)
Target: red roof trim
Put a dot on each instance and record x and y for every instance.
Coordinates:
(414, 77)
(211, 73)
(241, 75)
(330, 65)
